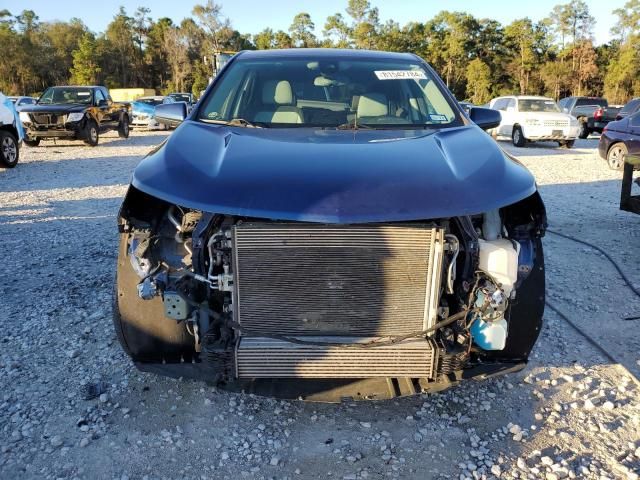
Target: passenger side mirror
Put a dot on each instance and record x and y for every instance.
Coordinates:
(171, 114)
(485, 118)
(102, 103)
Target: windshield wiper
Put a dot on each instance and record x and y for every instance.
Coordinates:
(234, 122)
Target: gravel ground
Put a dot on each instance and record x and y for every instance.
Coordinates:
(573, 413)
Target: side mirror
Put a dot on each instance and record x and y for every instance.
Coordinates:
(485, 118)
(171, 114)
(102, 103)
(565, 110)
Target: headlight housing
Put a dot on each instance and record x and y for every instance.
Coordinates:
(24, 117)
(75, 117)
(532, 121)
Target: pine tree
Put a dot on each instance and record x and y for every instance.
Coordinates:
(85, 68)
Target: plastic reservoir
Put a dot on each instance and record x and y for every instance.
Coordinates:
(499, 259)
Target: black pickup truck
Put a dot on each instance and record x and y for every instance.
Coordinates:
(74, 113)
(593, 113)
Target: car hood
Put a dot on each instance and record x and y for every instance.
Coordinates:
(333, 176)
(545, 115)
(142, 108)
(53, 108)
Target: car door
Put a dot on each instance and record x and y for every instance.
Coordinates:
(632, 139)
(101, 110)
(114, 109)
(508, 112)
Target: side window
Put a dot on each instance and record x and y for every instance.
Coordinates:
(500, 104)
(631, 107)
(634, 120)
(511, 104)
(99, 96)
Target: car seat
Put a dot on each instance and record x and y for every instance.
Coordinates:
(278, 97)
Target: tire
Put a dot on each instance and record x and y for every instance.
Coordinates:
(32, 143)
(9, 149)
(567, 143)
(517, 137)
(123, 127)
(584, 129)
(615, 156)
(91, 133)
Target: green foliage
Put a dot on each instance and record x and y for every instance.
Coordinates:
(478, 58)
(478, 82)
(85, 68)
(301, 31)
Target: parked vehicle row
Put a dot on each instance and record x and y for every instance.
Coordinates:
(592, 113)
(143, 110)
(11, 133)
(531, 118)
(75, 113)
(620, 138)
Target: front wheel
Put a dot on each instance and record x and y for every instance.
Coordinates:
(9, 149)
(566, 143)
(517, 137)
(91, 133)
(615, 157)
(123, 128)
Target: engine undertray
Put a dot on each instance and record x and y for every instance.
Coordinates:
(331, 390)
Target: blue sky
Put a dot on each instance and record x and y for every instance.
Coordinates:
(251, 16)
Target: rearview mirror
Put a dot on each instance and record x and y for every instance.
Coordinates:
(171, 114)
(485, 118)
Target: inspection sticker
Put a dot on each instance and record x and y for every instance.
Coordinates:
(400, 74)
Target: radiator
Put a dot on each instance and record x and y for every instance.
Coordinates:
(350, 280)
(272, 358)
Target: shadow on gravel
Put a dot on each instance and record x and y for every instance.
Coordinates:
(72, 173)
(586, 147)
(109, 140)
(581, 282)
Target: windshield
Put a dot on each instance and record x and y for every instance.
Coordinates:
(81, 95)
(537, 105)
(326, 93)
(181, 97)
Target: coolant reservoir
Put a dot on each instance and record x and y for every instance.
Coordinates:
(499, 258)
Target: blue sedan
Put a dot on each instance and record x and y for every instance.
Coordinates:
(620, 138)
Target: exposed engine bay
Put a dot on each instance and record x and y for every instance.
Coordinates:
(248, 298)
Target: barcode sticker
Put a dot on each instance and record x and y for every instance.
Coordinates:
(400, 75)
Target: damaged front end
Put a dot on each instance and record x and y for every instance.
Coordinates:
(327, 311)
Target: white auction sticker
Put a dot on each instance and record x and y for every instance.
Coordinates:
(400, 75)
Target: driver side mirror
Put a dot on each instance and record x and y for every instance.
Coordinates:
(171, 114)
(485, 118)
(102, 103)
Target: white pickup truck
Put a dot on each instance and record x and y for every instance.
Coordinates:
(11, 133)
(529, 118)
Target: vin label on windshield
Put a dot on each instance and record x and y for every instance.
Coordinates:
(400, 75)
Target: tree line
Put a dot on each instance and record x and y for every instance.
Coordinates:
(478, 58)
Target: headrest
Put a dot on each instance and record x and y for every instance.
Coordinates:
(277, 93)
(373, 105)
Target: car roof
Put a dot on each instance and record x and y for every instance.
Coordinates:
(328, 53)
(525, 97)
